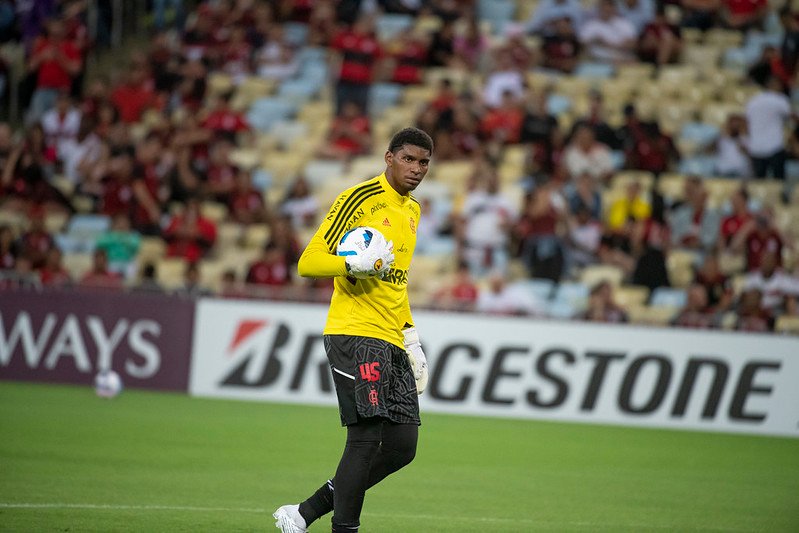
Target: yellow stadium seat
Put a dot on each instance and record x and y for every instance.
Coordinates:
(680, 264)
(214, 211)
(671, 186)
(77, 264)
(732, 263)
(651, 316)
(768, 191)
(630, 295)
(787, 324)
(724, 37)
(151, 250)
(229, 235)
(621, 179)
(256, 236)
(636, 71)
(169, 272)
(594, 274)
(455, 173)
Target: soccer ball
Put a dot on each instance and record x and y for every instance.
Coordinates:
(107, 384)
(357, 240)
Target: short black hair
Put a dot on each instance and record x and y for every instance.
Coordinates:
(412, 136)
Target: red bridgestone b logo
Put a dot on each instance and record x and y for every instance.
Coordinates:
(370, 371)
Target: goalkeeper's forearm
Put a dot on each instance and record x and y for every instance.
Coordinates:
(319, 263)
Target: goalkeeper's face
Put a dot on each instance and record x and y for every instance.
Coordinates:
(407, 167)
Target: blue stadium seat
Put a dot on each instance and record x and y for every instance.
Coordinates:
(594, 70)
(619, 159)
(497, 12)
(703, 135)
(262, 179)
(299, 90)
(296, 33)
(69, 244)
(383, 96)
(699, 165)
(81, 225)
(561, 309)
(389, 25)
(574, 293)
(668, 297)
(541, 289)
(264, 112)
(558, 103)
(321, 171)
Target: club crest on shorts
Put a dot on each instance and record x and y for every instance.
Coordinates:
(373, 397)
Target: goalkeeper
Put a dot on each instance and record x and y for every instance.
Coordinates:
(377, 363)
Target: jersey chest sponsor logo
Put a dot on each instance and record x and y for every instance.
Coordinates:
(397, 276)
(378, 206)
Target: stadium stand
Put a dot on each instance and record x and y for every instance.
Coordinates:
(199, 113)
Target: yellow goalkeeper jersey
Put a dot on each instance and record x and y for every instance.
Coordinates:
(370, 307)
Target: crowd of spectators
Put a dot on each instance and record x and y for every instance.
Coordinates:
(149, 144)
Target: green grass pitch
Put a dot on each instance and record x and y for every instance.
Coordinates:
(146, 461)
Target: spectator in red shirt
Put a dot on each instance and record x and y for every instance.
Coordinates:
(350, 134)
(56, 61)
(561, 50)
(461, 294)
(135, 94)
(223, 120)
(99, 276)
(660, 41)
(408, 55)
(504, 123)
(359, 51)
(190, 235)
(36, 243)
(53, 273)
(740, 216)
(9, 250)
(755, 238)
(246, 202)
(272, 269)
(133, 190)
(745, 15)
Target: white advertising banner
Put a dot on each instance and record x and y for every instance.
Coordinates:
(521, 368)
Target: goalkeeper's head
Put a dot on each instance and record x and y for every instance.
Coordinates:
(408, 159)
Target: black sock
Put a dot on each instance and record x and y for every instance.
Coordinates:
(319, 504)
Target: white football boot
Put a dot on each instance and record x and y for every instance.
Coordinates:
(289, 519)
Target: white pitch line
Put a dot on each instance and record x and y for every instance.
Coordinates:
(113, 507)
(555, 525)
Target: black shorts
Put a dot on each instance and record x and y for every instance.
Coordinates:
(373, 378)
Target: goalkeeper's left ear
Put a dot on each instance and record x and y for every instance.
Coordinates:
(416, 357)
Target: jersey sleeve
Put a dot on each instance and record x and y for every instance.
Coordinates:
(318, 260)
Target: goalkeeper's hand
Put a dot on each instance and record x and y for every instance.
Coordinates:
(417, 358)
(374, 261)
